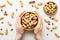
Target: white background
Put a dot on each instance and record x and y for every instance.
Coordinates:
(28, 35)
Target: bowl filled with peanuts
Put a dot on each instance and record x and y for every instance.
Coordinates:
(50, 8)
(29, 20)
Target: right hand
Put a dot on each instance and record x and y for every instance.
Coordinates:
(19, 28)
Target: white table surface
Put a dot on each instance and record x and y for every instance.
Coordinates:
(28, 35)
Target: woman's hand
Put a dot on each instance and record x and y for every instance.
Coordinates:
(19, 28)
(38, 28)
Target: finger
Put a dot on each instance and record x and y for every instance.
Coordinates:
(37, 34)
(19, 33)
(38, 37)
(18, 20)
(18, 37)
(39, 23)
(36, 30)
(41, 26)
(20, 15)
(39, 18)
(19, 29)
(38, 15)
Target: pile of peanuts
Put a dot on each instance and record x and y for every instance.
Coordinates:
(29, 20)
(50, 8)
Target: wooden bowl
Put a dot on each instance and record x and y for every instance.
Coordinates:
(50, 8)
(25, 21)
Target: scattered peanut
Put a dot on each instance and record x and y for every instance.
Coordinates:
(5, 13)
(47, 34)
(9, 2)
(40, 3)
(47, 20)
(54, 27)
(51, 30)
(1, 10)
(52, 23)
(6, 31)
(16, 9)
(50, 17)
(21, 2)
(2, 5)
(57, 35)
(1, 33)
(31, 2)
(12, 15)
(2, 22)
(9, 23)
(47, 27)
(48, 23)
(11, 29)
(36, 6)
(1, 17)
(0, 28)
(54, 18)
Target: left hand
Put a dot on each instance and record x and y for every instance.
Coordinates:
(19, 28)
(38, 28)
